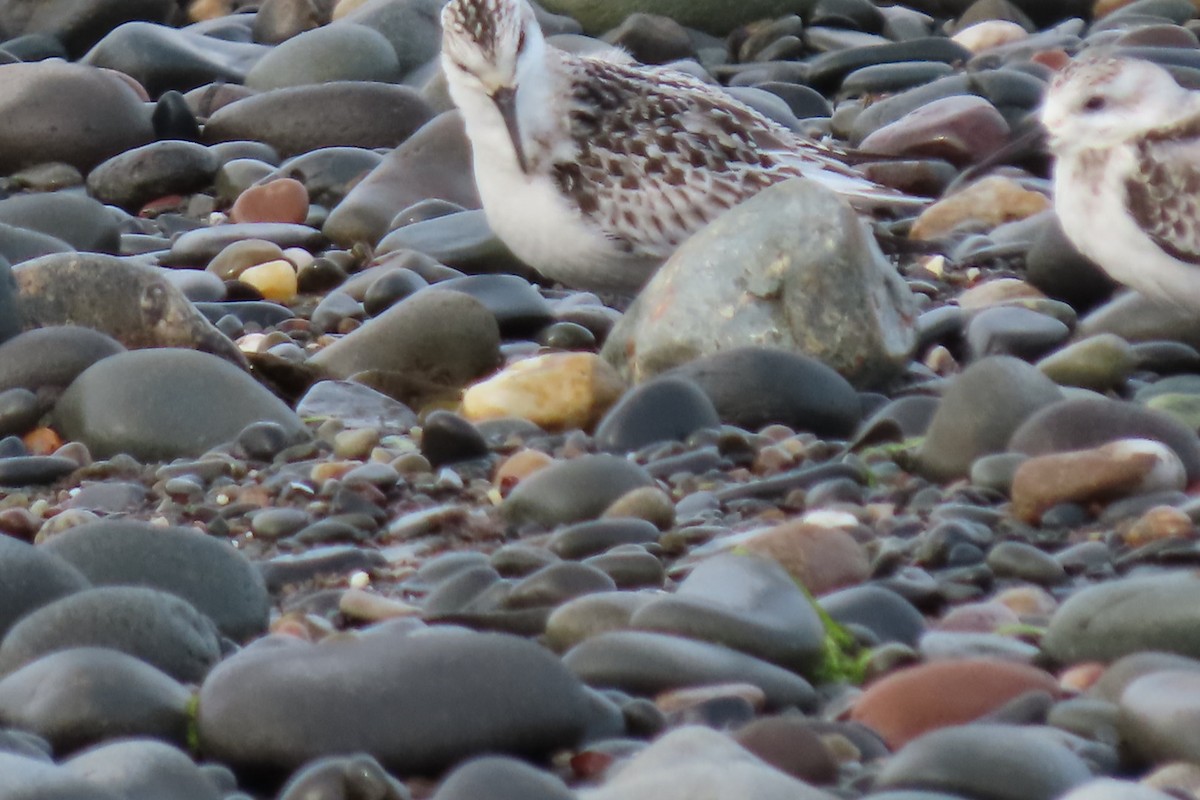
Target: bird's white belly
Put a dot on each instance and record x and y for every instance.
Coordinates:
(1094, 218)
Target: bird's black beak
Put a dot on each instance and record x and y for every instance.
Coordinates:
(505, 99)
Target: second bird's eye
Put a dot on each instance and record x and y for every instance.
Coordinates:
(1095, 103)
(521, 41)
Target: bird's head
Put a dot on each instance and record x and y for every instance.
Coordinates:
(1101, 102)
(490, 47)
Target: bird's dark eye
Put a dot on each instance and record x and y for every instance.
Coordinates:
(521, 41)
(1095, 103)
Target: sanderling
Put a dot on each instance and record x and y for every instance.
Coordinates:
(593, 169)
(1126, 141)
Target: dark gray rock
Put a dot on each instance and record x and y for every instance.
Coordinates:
(24, 778)
(81, 222)
(137, 176)
(883, 612)
(418, 702)
(585, 539)
(204, 570)
(345, 52)
(572, 491)
(162, 629)
(496, 778)
(30, 579)
(143, 769)
(67, 112)
(667, 408)
(343, 777)
(80, 696)
(166, 403)
(77, 24)
(48, 359)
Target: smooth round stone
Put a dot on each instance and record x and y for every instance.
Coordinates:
(979, 412)
(344, 52)
(1116, 618)
(555, 391)
(591, 615)
(76, 25)
(518, 307)
(143, 768)
(29, 470)
(652, 39)
(1159, 712)
(752, 387)
(30, 579)
(19, 411)
(903, 418)
(447, 438)
(497, 778)
(667, 408)
(206, 571)
(1098, 362)
(1025, 562)
(69, 113)
(80, 221)
(890, 78)
(435, 162)
(173, 119)
(822, 290)
(445, 337)
(642, 662)
(166, 403)
(716, 18)
(1014, 331)
(343, 776)
(163, 58)
(585, 539)
(279, 200)
(791, 745)
(987, 203)
(21, 244)
(696, 761)
(941, 694)
(999, 762)
(197, 248)
(390, 288)
(1136, 318)
(829, 68)
(630, 567)
(1082, 423)
(962, 129)
(883, 612)
(355, 405)
(237, 175)
(162, 629)
(820, 558)
(747, 603)
(36, 778)
(572, 491)
(336, 114)
(418, 702)
(554, 584)
(137, 176)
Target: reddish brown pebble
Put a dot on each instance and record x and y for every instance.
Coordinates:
(914, 701)
(821, 558)
(280, 200)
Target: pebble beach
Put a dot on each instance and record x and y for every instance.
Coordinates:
(311, 490)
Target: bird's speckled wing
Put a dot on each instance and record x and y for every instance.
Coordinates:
(1163, 192)
(659, 154)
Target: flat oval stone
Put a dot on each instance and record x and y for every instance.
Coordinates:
(30, 777)
(196, 248)
(343, 776)
(345, 52)
(166, 403)
(67, 112)
(50, 358)
(337, 114)
(206, 571)
(159, 628)
(641, 662)
(448, 338)
(75, 697)
(1031, 764)
(572, 491)
(144, 768)
(79, 221)
(137, 176)
(667, 408)
(417, 702)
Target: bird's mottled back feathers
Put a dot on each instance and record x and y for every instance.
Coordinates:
(1162, 194)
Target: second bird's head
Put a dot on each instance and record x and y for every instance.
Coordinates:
(490, 47)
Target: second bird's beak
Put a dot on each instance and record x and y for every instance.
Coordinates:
(505, 99)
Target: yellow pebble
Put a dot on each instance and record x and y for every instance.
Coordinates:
(275, 280)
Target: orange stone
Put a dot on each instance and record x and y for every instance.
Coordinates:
(42, 441)
(517, 467)
(913, 701)
(280, 200)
